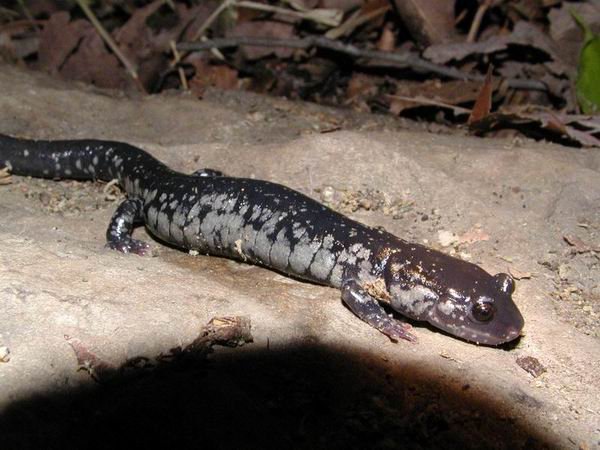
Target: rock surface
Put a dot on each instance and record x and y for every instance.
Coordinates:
(315, 376)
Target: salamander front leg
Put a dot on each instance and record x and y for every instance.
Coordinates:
(118, 235)
(369, 310)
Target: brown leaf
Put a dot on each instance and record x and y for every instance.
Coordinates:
(17, 41)
(135, 36)
(523, 34)
(539, 122)
(87, 360)
(93, 63)
(428, 21)
(229, 331)
(578, 244)
(483, 104)
(371, 13)
(220, 76)
(344, 5)
(454, 92)
(265, 29)
(360, 86)
(59, 38)
(445, 95)
(387, 40)
(473, 235)
(519, 274)
(531, 365)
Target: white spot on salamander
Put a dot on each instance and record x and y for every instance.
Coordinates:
(446, 307)
(412, 302)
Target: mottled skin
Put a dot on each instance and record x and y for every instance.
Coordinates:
(268, 224)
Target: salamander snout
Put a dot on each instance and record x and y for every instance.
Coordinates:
(456, 296)
(484, 314)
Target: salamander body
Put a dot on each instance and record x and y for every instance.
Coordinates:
(269, 224)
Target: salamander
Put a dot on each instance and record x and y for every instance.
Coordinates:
(269, 224)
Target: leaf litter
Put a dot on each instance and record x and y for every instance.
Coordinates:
(482, 67)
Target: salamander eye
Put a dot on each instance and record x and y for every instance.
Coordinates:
(483, 311)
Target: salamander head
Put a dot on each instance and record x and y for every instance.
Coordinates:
(453, 295)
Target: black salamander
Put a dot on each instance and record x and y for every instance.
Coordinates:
(269, 224)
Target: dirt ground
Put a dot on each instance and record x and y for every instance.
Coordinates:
(315, 376)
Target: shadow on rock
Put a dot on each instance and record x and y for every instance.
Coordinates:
(306, 397)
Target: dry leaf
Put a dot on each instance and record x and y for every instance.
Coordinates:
(518, 274)
(473, 235)
(483, 104)
(59, 38)
(578, 244)
(539, 122)
(93, 63)
(523, 34)
(265, 29)
(220, 76)
(428, 21)
(370, 11)
(387, 40)
(87, 360)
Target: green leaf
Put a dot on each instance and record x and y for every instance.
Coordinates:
(588, 70)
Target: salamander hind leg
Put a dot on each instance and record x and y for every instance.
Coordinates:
(122, 223)
(368, 309)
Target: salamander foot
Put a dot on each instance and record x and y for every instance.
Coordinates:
(129, 246)
(369, 310)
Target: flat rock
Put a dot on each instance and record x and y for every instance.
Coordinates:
(315, 376)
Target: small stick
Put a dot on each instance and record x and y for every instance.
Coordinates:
(483, 7)
(26, 11)
(355, 21)
(110, 42)
(176, 60)
(404, 59)
(209, 21)
(308, 15)
(419, 100)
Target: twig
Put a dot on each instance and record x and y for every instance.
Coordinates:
(404, 59)
(110, 42)
(18, 24)
(419, 100)
(176, 60)
(483, 7)
(355, 21)
(10, 13)
(209, 21)
(25, 10)
(318, 16)
(29, 16)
